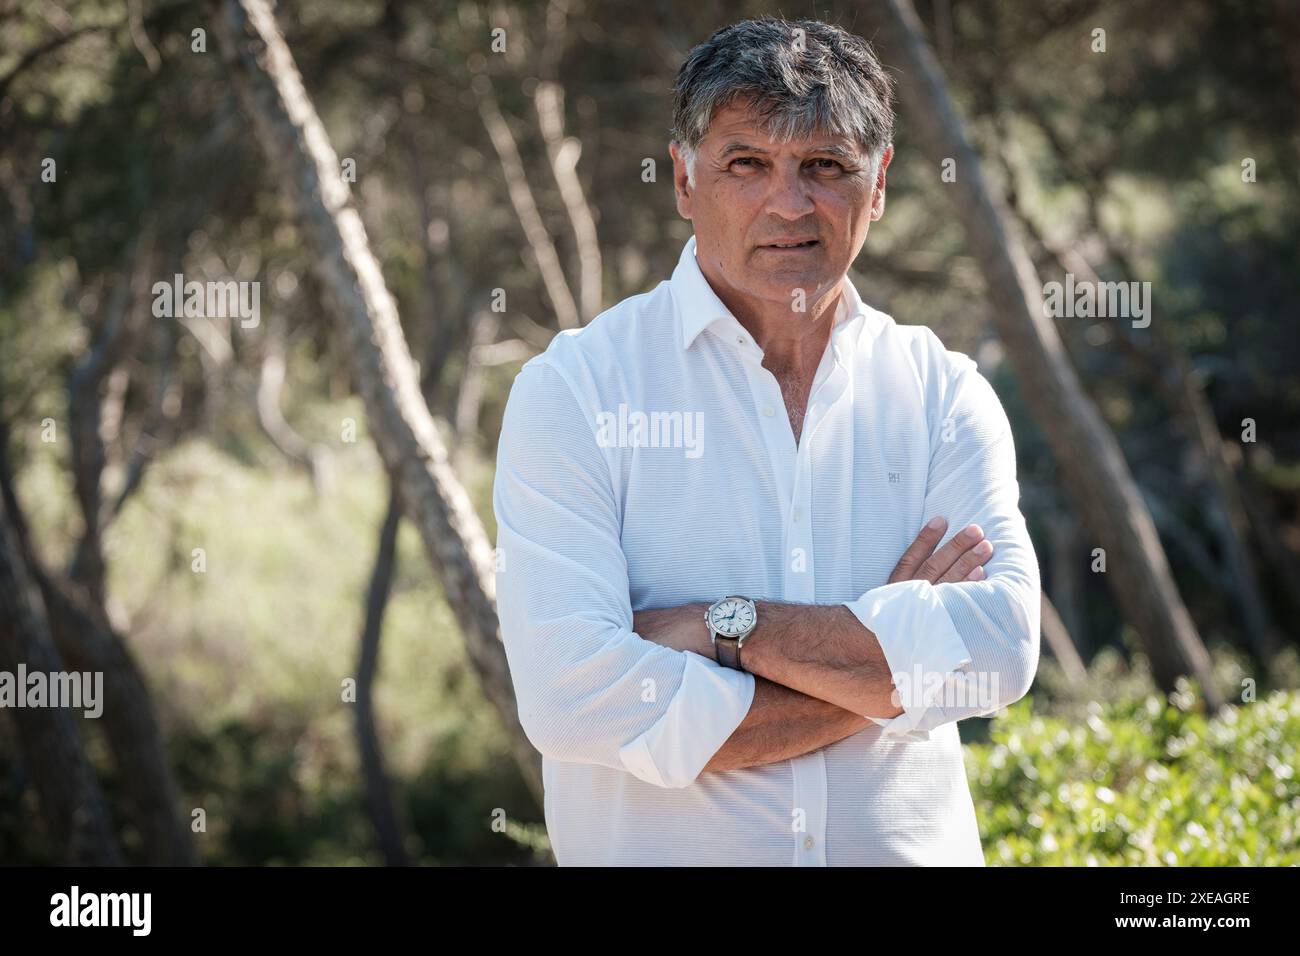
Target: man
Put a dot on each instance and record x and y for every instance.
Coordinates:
(742, 637)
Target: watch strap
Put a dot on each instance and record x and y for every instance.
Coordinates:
(728, 651)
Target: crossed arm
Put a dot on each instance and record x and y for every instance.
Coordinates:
(817, 669)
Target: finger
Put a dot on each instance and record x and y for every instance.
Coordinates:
(919, 549)
(936, 565)
(971, 561)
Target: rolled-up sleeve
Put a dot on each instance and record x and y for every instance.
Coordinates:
(970, 648)
(589, 689)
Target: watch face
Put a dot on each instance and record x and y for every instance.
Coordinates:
(731, 618)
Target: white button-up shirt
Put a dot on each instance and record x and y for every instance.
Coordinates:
(647, 461)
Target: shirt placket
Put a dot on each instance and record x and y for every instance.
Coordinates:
(792, 466)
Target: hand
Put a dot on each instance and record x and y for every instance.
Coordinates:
(681, 628)
(961, 559)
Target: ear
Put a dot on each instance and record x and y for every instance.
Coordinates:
(878, 189)
(682, 189)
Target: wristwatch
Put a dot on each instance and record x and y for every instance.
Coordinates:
(730, 621)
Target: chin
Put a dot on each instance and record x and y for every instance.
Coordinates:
(782, 286)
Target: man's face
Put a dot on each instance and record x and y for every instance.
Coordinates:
(752, 196)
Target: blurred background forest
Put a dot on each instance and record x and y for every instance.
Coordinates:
(208, 511)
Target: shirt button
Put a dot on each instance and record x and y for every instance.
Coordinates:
(808, 843)
(769, 411)
(740, 340)
(796, 514)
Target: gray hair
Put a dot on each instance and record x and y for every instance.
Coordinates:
(804, 76)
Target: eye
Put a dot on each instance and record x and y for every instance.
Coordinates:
(745, 162)
(827, 165)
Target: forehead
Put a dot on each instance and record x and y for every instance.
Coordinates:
(742, 121)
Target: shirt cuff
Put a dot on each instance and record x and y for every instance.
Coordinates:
(921, 647)
(709, 705)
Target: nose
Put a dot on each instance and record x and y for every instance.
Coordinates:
(789, 195)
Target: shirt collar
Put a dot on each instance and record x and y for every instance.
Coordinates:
(699, 306)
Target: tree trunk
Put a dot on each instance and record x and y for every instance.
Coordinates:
(1065, 559)
(1061, 644)
(83, 629)
(521, 197)
(1090, 459)
(86, 640)
(150, 798)
(380, 805)
(270, 89)
(72, 807)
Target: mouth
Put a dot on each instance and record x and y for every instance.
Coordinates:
(791, 245)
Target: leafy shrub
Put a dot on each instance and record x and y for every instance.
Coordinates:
(1141, 781)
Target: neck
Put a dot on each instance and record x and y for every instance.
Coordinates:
(793, 341)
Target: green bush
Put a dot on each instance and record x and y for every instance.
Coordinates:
(1141, 781)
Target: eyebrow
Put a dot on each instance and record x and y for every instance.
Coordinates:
(832, 149)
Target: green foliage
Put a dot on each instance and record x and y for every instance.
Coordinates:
(1142, 781)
